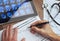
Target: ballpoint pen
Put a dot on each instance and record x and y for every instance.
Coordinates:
(40, 25)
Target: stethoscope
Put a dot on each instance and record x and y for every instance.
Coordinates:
(55, 4)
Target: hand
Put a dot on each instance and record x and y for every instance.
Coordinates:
(10, 34)
(45, 30)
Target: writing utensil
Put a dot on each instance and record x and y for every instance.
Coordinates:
(40, 25)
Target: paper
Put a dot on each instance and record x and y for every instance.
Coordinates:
(54, 26)
(24, 30)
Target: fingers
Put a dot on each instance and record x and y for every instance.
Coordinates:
(10, 33)
(37, 30)
(38, 22)
(32, 31)
(40, 31)
(15, 34)
(3, 36)
(7, 31)
(23, 39)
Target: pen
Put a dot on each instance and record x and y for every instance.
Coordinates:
(40, 25)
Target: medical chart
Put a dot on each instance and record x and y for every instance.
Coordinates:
(24, 30)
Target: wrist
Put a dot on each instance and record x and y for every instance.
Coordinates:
(54, 37)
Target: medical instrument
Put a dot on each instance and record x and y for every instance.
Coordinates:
(53, 18)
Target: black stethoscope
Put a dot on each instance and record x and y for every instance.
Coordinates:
(55, 4)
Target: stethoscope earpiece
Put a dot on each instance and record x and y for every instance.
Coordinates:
(45, 5)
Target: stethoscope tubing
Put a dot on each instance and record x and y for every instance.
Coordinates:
(50, 14)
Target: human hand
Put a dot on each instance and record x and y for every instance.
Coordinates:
(10, 34)
(45, 30)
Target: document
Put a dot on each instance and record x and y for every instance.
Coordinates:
(24, 30)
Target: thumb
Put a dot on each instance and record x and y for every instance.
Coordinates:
(38, 30)
(23, 39)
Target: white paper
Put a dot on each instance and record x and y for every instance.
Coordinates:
(24, 30)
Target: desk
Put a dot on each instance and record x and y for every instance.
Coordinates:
(38, 6)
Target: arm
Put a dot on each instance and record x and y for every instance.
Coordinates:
(54, 37)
